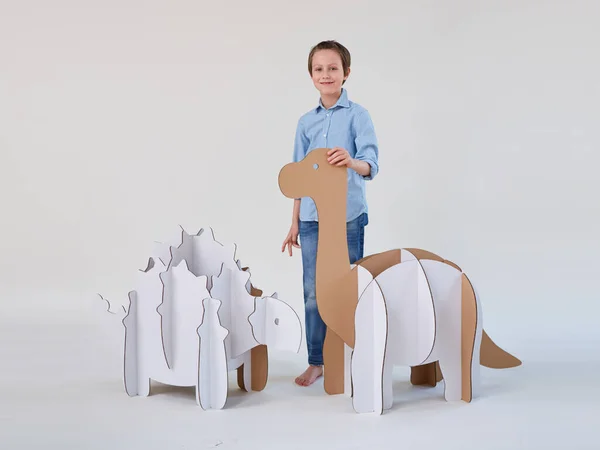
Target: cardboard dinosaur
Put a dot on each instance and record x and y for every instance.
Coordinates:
(194, 316)
(337, 281)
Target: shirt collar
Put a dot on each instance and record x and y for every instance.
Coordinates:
(342, 102)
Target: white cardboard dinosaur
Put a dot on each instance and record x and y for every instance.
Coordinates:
(192, 319)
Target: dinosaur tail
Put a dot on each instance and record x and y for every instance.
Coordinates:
(494, 357)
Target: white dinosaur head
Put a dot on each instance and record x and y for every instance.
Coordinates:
(276, 324)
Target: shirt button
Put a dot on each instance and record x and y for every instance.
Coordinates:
(324, 135)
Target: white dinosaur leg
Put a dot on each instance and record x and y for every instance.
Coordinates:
(451, 368)
(136, 380)
(476, 362)
(369, 351)
(388, 392)
(472, 328)
(450, 355)
(347, 370)
(445, 283)
(143, 383)
(248, 370)
(211, 388)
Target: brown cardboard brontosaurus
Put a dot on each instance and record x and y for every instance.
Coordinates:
(337, 282)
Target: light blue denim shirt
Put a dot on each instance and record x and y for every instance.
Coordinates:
(347, 125)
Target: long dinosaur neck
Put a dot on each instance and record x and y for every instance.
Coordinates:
(333, 261)
(336, 283)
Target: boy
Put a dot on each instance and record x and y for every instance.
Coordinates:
(346, 128)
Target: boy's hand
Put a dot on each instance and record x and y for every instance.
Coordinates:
(339, 157)
(291, 240)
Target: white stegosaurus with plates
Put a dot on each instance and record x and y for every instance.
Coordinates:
(194, 316)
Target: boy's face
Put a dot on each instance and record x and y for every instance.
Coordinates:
(328, 72)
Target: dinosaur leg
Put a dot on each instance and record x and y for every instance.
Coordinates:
(458, 359)
(425, 374)
(452, 377)
(135, 366)
(348, 388)
(333, 368)
(244, 372)
(259, 367)
(240, 378)
(470, 334)
(259, 360)
(388, 390)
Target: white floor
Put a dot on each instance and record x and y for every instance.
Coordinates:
(61, 388)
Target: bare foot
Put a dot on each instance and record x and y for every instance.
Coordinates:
(309, 376)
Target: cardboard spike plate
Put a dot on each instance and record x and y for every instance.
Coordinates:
(337, 281)
(204, 254)
(144, 354)
(231, 285)
(181, 313)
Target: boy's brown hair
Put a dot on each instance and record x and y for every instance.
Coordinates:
(331, 45)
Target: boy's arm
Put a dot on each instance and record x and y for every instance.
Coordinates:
(300, 147)
(361, 167)
(366, 160)
(296, 212)
(300, 143)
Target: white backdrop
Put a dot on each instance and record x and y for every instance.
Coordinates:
(120, 120)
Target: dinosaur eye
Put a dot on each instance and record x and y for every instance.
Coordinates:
(316, 166)
(276, 321)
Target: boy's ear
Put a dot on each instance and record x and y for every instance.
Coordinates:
(347, 74)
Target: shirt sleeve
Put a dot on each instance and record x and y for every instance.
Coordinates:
(367, 148)
(300, 143)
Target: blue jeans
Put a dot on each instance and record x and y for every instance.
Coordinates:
(309, 232)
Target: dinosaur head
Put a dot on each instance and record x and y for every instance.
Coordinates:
(312, 176)
(276, 324)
